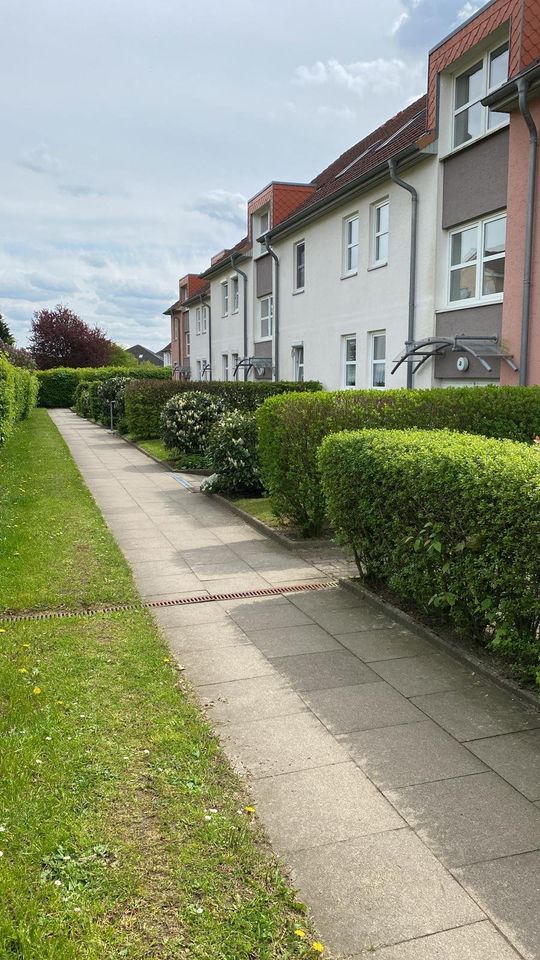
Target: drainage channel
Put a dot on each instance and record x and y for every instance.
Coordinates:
(174, 602)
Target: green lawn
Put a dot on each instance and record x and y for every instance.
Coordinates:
(260, 508)
(123, 831)
(181, 461)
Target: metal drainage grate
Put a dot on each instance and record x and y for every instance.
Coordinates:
(175, 602)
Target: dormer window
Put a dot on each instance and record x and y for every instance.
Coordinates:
(262, 226)
(471, 119)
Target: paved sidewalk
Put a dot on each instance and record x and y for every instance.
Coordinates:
(402, 790)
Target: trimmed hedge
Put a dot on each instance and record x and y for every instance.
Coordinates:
(18, 393)
(447, 520)
(145, 401)
(57, 386)
(292, 428)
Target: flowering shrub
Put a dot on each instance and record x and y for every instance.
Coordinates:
(232, 449)
(186, 421)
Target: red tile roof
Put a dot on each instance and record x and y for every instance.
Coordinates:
(225, 255)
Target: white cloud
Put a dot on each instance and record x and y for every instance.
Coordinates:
(361, 77)
(337, 113)
(467, 11)
(222, 205)
(39, 160)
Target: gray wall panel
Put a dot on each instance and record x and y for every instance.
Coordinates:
(474, 321)
(475, 180)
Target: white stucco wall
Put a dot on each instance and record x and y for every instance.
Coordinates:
(228, 331)
(332, 307)
(198, 344)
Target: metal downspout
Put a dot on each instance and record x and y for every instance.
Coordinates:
(245, 279)
(208, 306)
(523, 87)
(412, 271)
(275, 292)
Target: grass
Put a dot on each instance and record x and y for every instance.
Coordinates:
(260, 508)
(123, 830)
(182, 461)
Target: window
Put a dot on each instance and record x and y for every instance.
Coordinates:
(381, 219)
(299, 266)
(187, 341)
(183, 293)
(225, 366)
(234, 365)
(477, 255)
(298, 363)
(351, 245)
(471, 119)
(197, 321)
(235, 295)
(266, 317)
(349, 361)
(262, 221)
(378, 359)
(204, 314)
(199, 369)
(225, 298)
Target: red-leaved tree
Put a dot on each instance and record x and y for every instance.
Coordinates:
(59, 338)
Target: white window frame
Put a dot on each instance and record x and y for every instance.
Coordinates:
(204, 317)
(373, 336)
(199, 369)
(349, 363)
(480, 226)
(234, 364)
(225, 298)
(269, 317)
(235, 291)
(260, 230)
(224, 366)
(485, 60)
(377, 234)
(298, 362)
(187, 339)
(198, 321)
(297, 287)
(348, 246)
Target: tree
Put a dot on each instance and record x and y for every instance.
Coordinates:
(59, 338)
(120, 357)
(6, 335)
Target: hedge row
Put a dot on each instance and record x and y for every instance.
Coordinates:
(145, 401)
(292, 428)
(448, 520)
(57, 386)
(18, 393)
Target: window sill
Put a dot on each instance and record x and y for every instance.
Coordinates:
(469, 304)
(471, 143)
(264, 339)
(296, 293)
(347, 276)
(378, 266)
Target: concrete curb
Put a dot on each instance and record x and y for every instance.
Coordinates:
(465, 656)
(289, 544)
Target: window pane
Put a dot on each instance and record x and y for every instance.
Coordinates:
(382, 218)
(468, 124)
(464, 246)
(350, 375)
(381, 248)
(264, 222)
(379, 347)
(378, 375)
(493, 280)
(469, 85)
(352, 258)
(495, 119)
(351, 350)
(463, 283)
(498, 66)
(494, 237)
(352, 231)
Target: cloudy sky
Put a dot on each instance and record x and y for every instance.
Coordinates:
(133, 131)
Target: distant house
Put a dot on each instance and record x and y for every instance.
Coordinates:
(144, 355)
(165, 354)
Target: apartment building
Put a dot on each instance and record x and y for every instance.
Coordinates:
(413, 258)
(191, 289)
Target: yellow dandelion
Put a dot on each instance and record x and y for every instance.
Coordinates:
(59, 702)
(249, 809)
(317, 947)
(37, 691)
(23, 670)
(167, 660)
(26, 646)
(2, 631)
(300, 933)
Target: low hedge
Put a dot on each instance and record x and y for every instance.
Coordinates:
(145, 401)
(57, 386)
(18, 393)
(292, 428)
(450, 521)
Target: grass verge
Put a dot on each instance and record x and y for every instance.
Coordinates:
(260, 508)
(180, 461)
(123, 831)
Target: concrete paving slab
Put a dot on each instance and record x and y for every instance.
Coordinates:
(382, 644)
(363, 706)
(480, 711)
(412, 753)
(378, 890)
(169, 585)
(204, 636)
(477, 817)
(228, 663)
(257, 698)
(509, 892)
(290, 641)
(265, 748)
(333, 598)
(477, 941)
(318, 671)
(432, 673)
(516, 757)
(351, 620)
(236, 584)
(189, 615)
(263, 613)
(310, 809)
